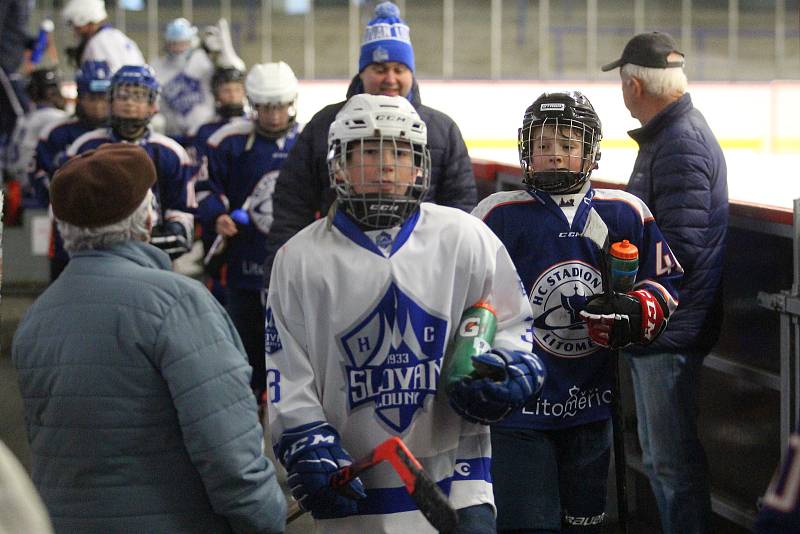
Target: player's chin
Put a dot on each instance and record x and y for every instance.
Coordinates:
(390, 92)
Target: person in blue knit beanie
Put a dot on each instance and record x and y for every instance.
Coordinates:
(386, 63)
(386, 38)
(385, 67)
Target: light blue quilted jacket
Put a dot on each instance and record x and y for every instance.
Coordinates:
(137, 403)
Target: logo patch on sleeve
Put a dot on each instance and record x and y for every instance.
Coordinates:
(272, 341)
(394, 359)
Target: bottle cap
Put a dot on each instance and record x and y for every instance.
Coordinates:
(624, 250)
(486, 305)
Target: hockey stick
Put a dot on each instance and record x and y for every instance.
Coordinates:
(428, 497)
(597, 232)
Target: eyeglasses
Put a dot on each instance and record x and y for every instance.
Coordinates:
(138, 95)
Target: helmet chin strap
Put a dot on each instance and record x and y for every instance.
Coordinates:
(229, 111)
(274, 134)
(128, 128)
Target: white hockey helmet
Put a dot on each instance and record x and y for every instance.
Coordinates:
(180, 30)
(271, 83)
(393, 124)
(82, 12)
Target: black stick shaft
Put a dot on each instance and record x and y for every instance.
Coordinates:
(620, 459)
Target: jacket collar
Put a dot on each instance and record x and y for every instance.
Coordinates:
(662, 118)
(138, 252)
(357, 87)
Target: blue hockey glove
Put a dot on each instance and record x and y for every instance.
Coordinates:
(513, 377)
(311, 454)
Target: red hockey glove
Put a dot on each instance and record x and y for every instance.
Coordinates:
(624, 318)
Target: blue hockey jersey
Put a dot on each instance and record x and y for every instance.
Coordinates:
(560, 270)
(198, 151)
(51, 152)
(174, 189)
(243, 165)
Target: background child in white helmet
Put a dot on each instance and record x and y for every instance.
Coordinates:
(184, 74)
(244, 158)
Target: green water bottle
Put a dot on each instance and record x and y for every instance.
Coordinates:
(624, 258)
(474, 336)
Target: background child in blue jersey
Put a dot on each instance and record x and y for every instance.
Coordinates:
(550, 459)
(92, 79)
(243, 159)
(133, 96)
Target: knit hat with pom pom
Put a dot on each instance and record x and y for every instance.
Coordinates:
(386, 38)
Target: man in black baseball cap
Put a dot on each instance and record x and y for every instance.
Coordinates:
(680, 174)
(649, 50)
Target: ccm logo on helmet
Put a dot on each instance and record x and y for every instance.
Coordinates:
(392, 117)
(552, 106)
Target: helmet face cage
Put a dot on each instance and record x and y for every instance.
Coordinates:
(127, 82)
(558, 142)
(379, 181)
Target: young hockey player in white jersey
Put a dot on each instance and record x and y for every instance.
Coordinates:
(97, 39)
(361, 306)
(244, 158)
(44, 90)
(184, 74)
(550, 459)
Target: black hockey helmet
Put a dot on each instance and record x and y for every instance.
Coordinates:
(43, 84)
(226, 75)
(572, 116)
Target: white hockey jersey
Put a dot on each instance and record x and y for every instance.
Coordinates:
(114, 47)
(22, 147)
(186, 100)
(357, 338)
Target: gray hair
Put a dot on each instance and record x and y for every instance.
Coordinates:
(662, 83)
(134, 227)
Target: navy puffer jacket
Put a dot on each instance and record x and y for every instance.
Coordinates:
(681, 175)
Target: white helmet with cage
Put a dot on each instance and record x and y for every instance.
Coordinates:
(271, 83)
(378, 159)
(82, 12)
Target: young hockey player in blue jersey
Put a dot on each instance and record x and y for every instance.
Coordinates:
(550, 459)
(92, 79)
(227, 85)
(132, 96)
(360, 309)
(244, 159)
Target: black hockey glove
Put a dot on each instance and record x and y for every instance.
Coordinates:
(625, 318)
(170, 236)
